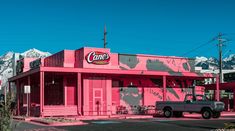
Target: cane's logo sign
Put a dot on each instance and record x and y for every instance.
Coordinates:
(98, 58)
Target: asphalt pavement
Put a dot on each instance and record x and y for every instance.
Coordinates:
(153, 124)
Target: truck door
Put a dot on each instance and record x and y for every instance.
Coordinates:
(190, 103)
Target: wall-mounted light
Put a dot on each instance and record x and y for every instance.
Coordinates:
(53, 81)
(131, 84)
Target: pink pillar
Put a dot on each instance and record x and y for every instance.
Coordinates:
(86, 96)
(217, 96)
(29, 105)
(233, 100)
(79, 93)
(65, 90)
(109, 95)
(164, 88)
(41, 93)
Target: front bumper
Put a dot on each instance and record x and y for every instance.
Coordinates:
(219, 108)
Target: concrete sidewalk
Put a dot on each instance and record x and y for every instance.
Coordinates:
(112, 117)
(141, 116)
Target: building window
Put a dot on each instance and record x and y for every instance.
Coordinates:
(54, 89)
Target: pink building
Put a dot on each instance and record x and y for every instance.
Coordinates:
(94, 81)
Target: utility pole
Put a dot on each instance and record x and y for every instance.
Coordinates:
(220, 45)
(221, 42)
(105, 33)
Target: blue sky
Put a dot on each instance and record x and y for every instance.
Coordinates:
(166, 27)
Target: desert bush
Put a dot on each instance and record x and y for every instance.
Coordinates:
(6, 114)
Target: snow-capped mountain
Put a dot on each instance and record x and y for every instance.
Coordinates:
(34, 53)
(202, 62)
(213, 63)
(5, 68)
(7, 63)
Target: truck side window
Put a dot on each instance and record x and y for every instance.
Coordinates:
(189, 98)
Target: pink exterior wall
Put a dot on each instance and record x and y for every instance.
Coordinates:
(69, 58)
(55, 60)
(64, 58)
(71, 88)
(23, 65)
(156, 63)
(77, 59)
(27, 63)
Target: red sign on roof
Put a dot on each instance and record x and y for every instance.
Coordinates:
(98, 58)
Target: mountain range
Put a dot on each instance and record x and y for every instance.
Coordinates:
(213, 63)
(8, 60)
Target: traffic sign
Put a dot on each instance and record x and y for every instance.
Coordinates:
(27, 89)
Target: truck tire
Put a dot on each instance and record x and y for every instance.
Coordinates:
(168, 112)
(216, 114)
(206, 113)
(178, 113)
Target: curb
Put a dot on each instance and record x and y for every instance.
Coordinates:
(59, 123)
(22, 119)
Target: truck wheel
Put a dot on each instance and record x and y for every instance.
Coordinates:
(206, 113)
(216, 114)
(168, 112)
(178, 114)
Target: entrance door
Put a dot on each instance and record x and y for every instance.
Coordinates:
(97, 101)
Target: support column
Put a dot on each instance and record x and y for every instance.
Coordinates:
(233, 100)
(217, 96)
(41, 93)
(18, 96)
(85, 91)
(109, 95)
(164, 88)
(79, 93)
(29, 94)
(65, 90)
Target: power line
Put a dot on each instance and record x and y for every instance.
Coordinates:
(200, 46)
(205, 52)
(228, 51)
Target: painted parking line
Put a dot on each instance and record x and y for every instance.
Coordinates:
(105, 122)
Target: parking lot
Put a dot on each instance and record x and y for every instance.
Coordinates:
(156, 124)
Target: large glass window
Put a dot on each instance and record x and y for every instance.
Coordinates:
(54, 89)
